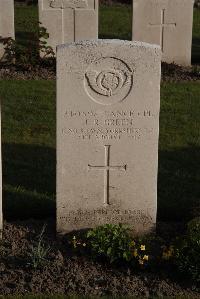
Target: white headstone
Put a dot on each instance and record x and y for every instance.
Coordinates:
(167, 23)
(108, 98)
(7, 27)
(69, 20)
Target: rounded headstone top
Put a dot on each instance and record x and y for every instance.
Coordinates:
(113, 42)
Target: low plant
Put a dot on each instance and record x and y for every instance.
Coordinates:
(30, 54)
(43, 47)
(115, 243)
(187, 251)
(39, 252)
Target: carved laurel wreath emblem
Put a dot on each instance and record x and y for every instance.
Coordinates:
(111, 81)
(107, 82)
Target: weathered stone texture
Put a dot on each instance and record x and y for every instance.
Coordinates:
(166, 23)
(69, 20)
(108, 97)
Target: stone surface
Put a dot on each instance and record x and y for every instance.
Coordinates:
(108, 97)
(7, 28)
(69, 20)
(166, 23)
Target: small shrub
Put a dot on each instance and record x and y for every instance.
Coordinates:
(114, 242)
(38, 254)
(187, 253)
(43, 47)
(110, 241)
(27, 55)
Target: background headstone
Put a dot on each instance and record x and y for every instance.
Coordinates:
(69, 20)
(108, 97)
(167, 23)
(7, 27)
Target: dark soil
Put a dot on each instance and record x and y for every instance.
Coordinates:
(67, 273)
(170, 73)
(175, 73)
(38, 73)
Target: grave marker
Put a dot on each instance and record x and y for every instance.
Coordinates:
(108, 95)
(166, 23)
(69, 20)
(7, 28)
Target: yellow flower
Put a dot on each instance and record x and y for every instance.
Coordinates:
(135, 253)
(146, 257)
(142, 247)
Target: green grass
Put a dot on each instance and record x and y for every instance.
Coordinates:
(26, 23)
(179, 158)
(28, 133)
(28, 127)
(115, 22)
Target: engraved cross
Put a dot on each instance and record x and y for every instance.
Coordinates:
(163, 25)
(68, 8)
(107, 168)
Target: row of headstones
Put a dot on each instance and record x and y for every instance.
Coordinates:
(167, 23)
(108, 99)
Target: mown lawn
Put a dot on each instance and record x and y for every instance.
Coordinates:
(28, 133)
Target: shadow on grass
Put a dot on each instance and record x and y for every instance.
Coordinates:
(179, 184)
(115, 36)
(196, 50)
(29, 181)
(29, 177)
(106, 36)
